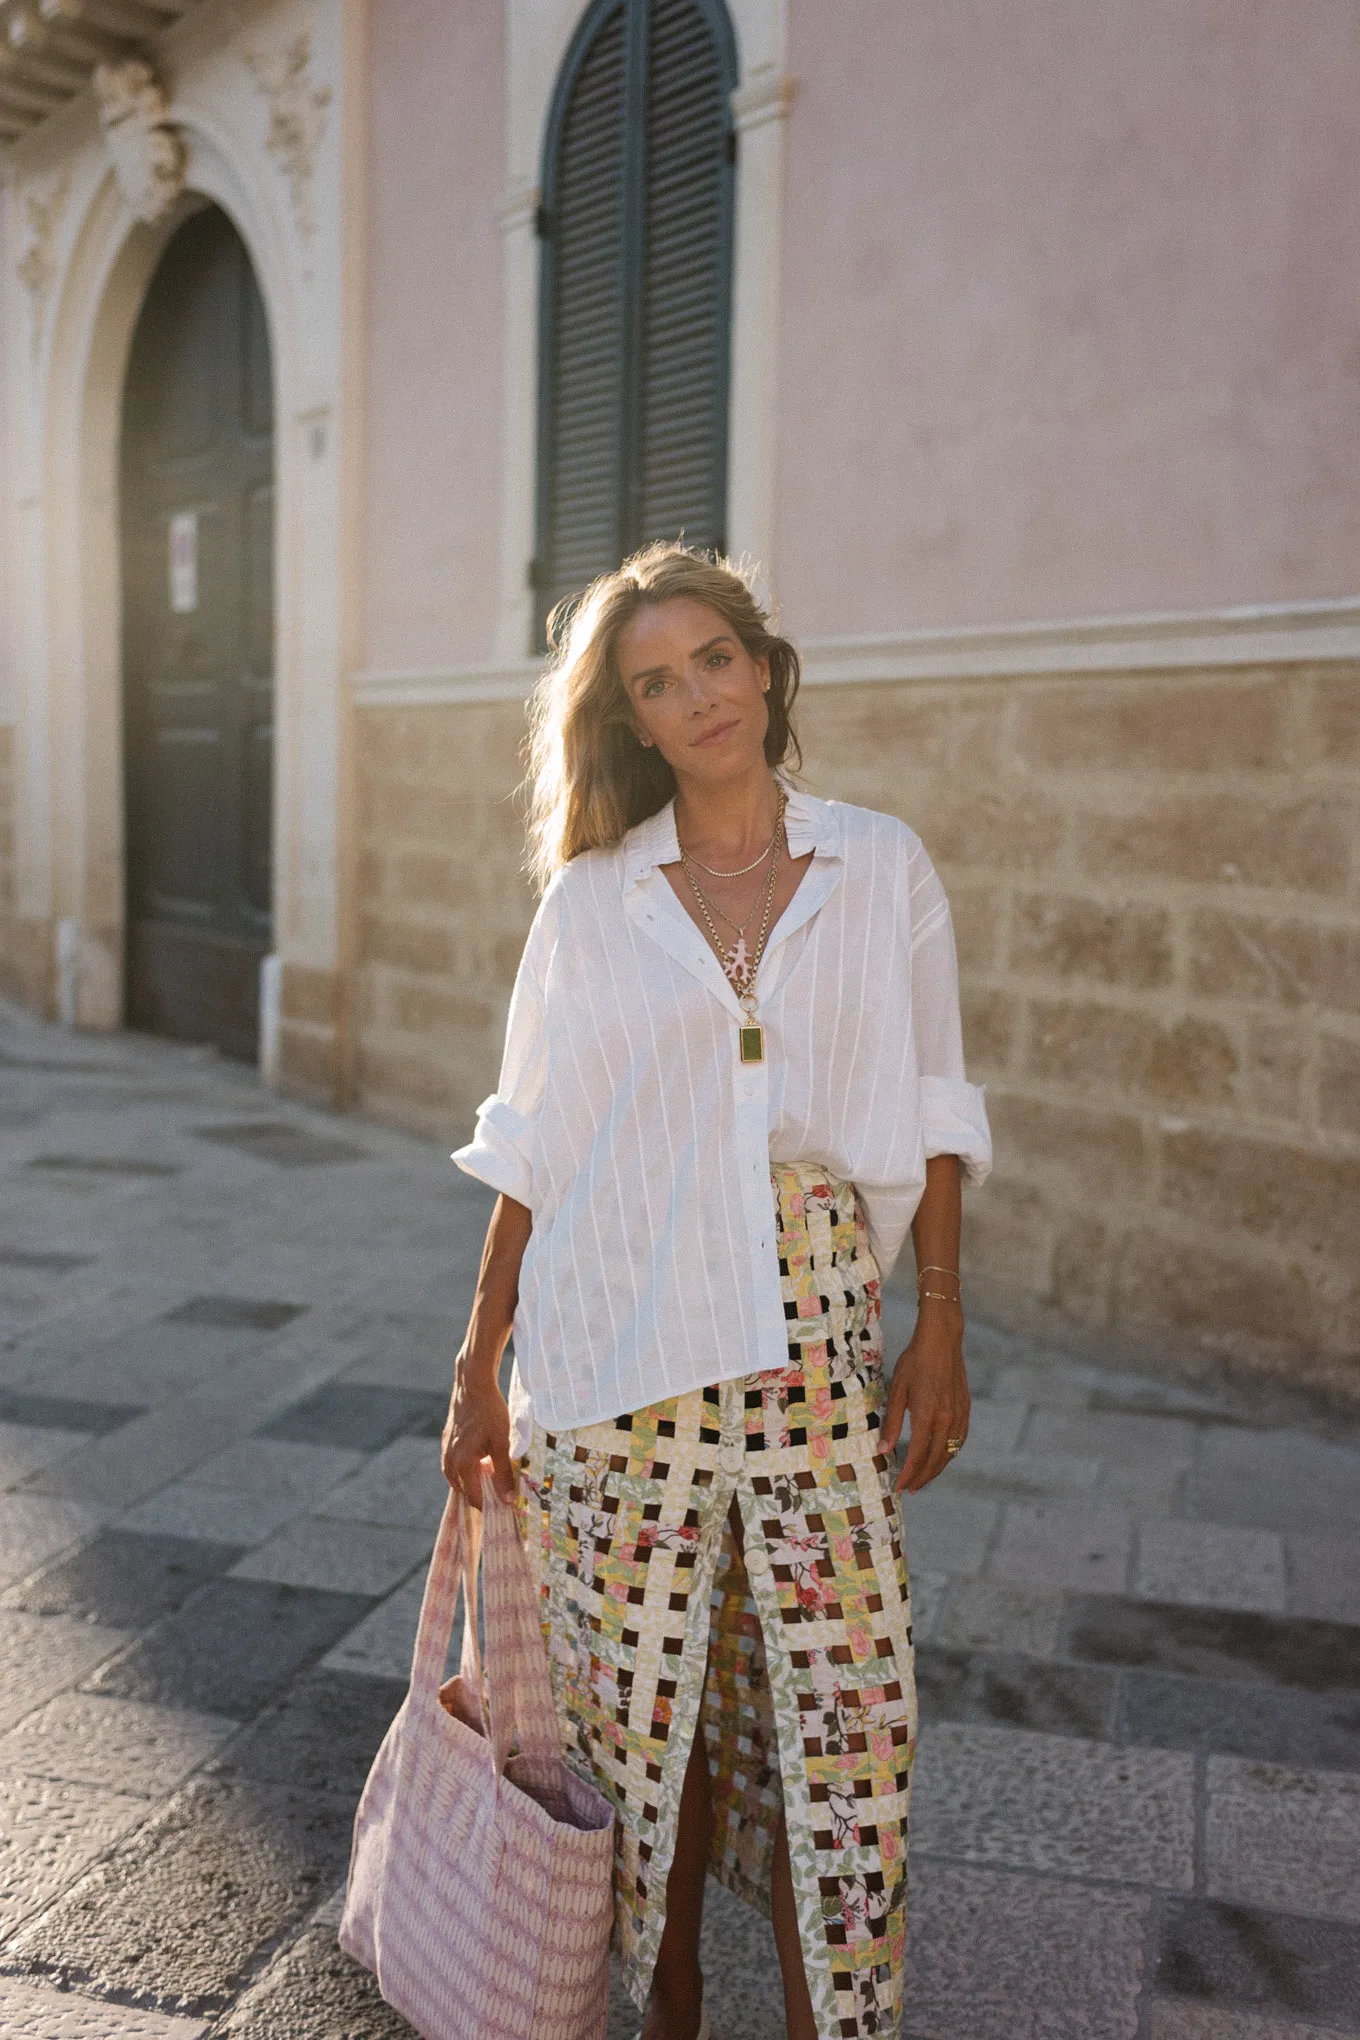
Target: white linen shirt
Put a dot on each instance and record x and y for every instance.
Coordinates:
(642, 1146)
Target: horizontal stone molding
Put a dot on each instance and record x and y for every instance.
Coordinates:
(450, 688)
(1264, 634)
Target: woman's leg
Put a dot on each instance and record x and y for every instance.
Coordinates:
(676, 2003)
(798, 2013)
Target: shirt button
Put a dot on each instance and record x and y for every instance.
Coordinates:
(757, 1559)
(731, 1457)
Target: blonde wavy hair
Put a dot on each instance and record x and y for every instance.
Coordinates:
(589, 779)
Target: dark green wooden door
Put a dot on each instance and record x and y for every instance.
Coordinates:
(198, 632)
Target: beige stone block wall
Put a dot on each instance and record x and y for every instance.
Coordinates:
(443, 909)
(1156, 891)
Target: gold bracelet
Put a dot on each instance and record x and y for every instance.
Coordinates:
(938, 1296)
(933, 1268)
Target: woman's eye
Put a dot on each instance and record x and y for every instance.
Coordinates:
(720, 658)
(652, 689)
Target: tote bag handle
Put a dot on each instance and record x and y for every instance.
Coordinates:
(514, 1689)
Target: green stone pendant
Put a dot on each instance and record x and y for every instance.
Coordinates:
(752, 1043)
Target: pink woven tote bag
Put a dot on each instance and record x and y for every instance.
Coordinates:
(481, 1883)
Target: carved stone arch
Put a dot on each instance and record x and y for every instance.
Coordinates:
(97, 298)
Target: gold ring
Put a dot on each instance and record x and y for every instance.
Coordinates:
(953, 1446)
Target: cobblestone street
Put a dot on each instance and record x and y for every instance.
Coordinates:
(227, 1327)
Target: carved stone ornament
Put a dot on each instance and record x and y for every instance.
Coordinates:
(37, 266)
(297, 119)
(146, 152)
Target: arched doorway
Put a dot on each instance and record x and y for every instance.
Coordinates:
(198, 631)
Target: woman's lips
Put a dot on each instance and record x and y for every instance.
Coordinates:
(712, 736)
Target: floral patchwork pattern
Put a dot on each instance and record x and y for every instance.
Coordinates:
(803, 1619)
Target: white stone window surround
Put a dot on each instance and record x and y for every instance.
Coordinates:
(538, 33)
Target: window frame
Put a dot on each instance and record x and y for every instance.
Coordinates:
(632, 255)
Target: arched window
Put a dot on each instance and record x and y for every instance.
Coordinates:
(636, 228)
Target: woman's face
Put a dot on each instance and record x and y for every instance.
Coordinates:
(694, 690)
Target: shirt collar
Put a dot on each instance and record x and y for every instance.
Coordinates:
(809, 824)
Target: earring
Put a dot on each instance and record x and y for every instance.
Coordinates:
(645, 742)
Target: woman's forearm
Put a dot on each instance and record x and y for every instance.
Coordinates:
(493, 1308)
(938, 1222)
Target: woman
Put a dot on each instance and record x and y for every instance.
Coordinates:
(733, 1082)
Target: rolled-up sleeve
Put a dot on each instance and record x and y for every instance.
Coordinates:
(953, 1114)
(501, 1151)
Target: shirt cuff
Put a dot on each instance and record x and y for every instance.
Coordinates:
(496, 1154)
(954, 1121)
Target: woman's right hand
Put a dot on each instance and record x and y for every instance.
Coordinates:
(477, 1429)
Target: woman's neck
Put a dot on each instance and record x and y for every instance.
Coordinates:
(730, 821)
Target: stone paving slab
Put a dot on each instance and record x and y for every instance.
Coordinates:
(1252, 1960)
(1059, 1545)
(1284, 1839)
(213, 1514)
(997, 1957)
(30, 2012)
(124, 1745)
(26, 1449)
(314, 1992)
(323, 1733)
(338, 1557)
(929, 1591)
(402, 1486)
(1024, 1476)
(271, 1467)
(41, 1655)
(1179, 2019)
(150, 1362)
(1183, 2020)
(990, 1614)
(1324, 1577)
(360, 1417)
(50, 1831)
(133, 1462)
(123, 1578)
(231, 1649)
(1109, 1434)
(1208, 1565)
(1212, 1643)
(383, 1643)
(948, 1531)
(252, 1859)
(34, 1528)
(1014, 1691)
(1052, 1803)
(1274, 1725)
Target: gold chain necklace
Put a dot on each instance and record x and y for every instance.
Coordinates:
(739, 965)
(741, 870)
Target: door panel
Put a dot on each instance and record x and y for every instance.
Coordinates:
(198, 601)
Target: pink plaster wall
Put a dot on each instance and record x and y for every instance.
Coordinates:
(1072, 309)
(436, 323)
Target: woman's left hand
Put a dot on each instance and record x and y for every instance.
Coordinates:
(930, 1385)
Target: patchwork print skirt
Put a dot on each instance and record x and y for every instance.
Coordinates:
(790, 1651)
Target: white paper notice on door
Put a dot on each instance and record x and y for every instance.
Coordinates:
(184, 562)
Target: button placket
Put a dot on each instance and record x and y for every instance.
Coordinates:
(732, 1422)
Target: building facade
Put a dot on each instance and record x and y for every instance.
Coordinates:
(1017, 345)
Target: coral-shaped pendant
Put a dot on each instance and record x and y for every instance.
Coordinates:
(736, 963)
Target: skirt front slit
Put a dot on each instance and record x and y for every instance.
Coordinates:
(791, 1653)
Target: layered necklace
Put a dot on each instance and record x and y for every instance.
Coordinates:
(739, 963)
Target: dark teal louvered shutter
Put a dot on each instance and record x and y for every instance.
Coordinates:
(636, 290)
